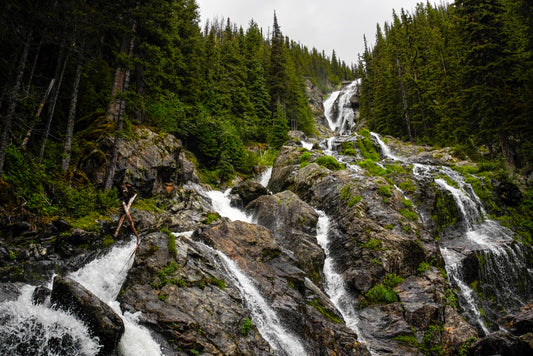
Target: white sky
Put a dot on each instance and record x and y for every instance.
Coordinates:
(324, 24)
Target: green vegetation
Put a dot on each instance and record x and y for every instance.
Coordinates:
(171, 242)
(411, 215)
(366, 147)
(330, 163)
(211, 217)
(381, 294)
(304, 159)
(439, 75)
(322, 309)
(385, 190)
(431, 343)
(372, 244)
(246, 327)
(391, 280)
(422, 267)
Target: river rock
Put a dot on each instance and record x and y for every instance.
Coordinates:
(99, 317)
(247, 192)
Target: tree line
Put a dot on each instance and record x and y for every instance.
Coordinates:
(458, 74)
(69, 65)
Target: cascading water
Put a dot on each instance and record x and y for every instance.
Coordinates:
(264, 317)
(334, 282)
(500, 263)
(265, 177)
(30, 329)
(222, 205)
(338, 111)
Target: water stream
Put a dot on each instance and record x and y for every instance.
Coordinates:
(30, 329)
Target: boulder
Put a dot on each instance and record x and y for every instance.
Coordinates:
(520, 323)
(247, 192)
(99, 317)
(504, 344)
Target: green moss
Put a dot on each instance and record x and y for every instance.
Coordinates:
(322, 309)
(372, 167)
(409, 214)
(431, 342)
(407, 186)
(381, 294)
(422, 267)
(330, 163)
(451, 298)
(389, 227)
(220, 283)
(108, 241)
(354, 200)
(150, 204)
(385, 190)
(305, 157)
(350, 152)
(373, 244)
(246, 327)
(211, 217)
(171, 242)
(444, 212)
(391, 280)
(407, 340)
(463, 349)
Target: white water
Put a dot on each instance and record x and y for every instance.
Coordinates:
(221, 204)
(53, 332)
(307, 145)
(263, 316)
(385, 149)
(344, 118)
(104, 277)
(265, 177)
(28, 329)
(334, 282)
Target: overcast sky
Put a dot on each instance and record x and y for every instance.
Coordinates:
(325, 24)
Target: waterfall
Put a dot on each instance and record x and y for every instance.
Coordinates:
(264, 317)
(222, 205)
(104, 277)
(339, 113)
(334, 282)
(385, 150)
(264, 178)
(29, 329)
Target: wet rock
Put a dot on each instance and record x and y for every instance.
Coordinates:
(504, 344)
(293, 222)
(520, 323)
(9, 291)
(305, 311)
(247, 192)
(100, 318)
(40, 294)
(507, 192)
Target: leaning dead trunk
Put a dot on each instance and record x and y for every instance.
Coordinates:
(12, 100)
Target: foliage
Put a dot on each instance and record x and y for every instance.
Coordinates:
(171, 242)
(385, 190)
(381, 294)
(422, 267)
(391, 280)
(330, 163)
(372, 244)
(246, 327)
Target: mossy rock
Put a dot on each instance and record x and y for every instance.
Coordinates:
(444, 212)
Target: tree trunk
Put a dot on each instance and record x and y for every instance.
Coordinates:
(61, 69)
(41, 105)
(12, 100)
(405, 104)
(33, 67)
(116, 109)
(71, 116)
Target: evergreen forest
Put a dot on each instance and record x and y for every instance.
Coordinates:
(75, 71)
(455, 75)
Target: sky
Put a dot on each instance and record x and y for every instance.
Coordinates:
(324, 24)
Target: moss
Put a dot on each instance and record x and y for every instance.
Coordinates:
(407, 186)
(246, 327)
(330, 163)
(409, 214)
(354, 200)
(150, 204)
(444, 212)
(315, 303)
(381, 294)
(211, 217)
(220, 283)
(385, 190)
(373, 244)
(431, 342)
(391, 280)
(407, 340)
(389, 227)
(108, 241)
(171, 242)
(422, 267)
(372, 167)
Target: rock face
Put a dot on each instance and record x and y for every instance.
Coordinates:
(293, 222)
(100, 318)
(151, 163)
(247, 192)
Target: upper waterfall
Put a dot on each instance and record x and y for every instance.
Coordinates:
(338, 108)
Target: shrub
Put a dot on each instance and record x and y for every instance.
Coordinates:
(380, 294)
(246, 326)
(391, 280)
(422, 267)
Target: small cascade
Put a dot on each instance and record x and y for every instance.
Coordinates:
(338, 110)
(307, 145)
(385, 150)
(30, 329)
(333, 280)
(222, 205)
(263, 316)
(104, 277)
(264, 178)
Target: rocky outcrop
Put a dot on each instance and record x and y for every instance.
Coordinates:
(293, 222)
(151, 163)
(246, 192)
(102, 321)
(303, 308)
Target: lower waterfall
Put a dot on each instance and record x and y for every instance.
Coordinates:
(30, 329)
